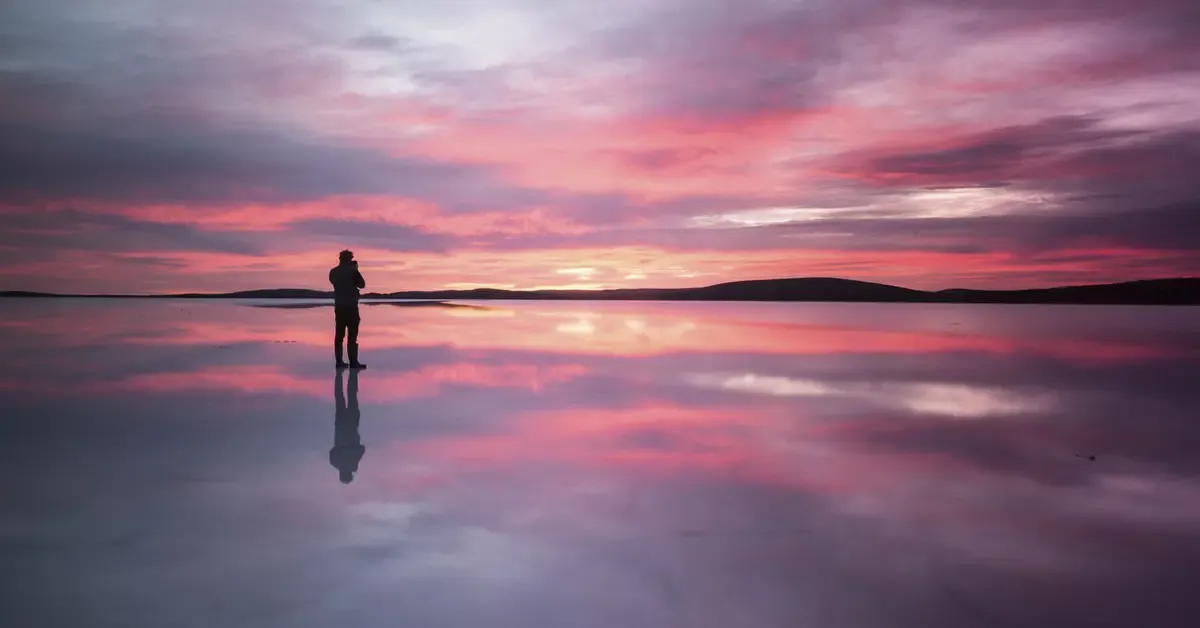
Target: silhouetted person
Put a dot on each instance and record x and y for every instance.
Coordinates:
(347, 449)
(347, 281)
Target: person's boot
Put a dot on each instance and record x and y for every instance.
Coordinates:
(337, 353)
(352, 347)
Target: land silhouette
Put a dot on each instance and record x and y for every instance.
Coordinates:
(1176, 291)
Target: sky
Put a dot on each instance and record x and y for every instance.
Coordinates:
(215, 145)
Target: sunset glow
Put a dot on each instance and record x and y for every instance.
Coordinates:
(200, 145)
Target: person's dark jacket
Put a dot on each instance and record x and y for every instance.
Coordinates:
(347, 281)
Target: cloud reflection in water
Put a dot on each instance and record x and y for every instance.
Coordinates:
(954, 400)
(678, 464)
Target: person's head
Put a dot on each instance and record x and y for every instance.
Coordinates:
(345, 257)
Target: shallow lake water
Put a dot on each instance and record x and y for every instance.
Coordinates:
(519, 464)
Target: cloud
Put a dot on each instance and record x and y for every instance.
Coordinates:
(375, 234)
(707, 64)
(77, 230)
(996, 153)
(378, 41)
(665, 159)
(212, 104)
(180, 155)
(1069, 248)
(1166, 228)
(1063, 151)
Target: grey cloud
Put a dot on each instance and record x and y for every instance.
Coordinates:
(79, 230)
(1001, 153)
(1173, 227)
(1158, 166)
(376, 234)
(378, 41)
(1084, 167)
(711, 62)
(985, 158)
(180, 154)
(181, 111)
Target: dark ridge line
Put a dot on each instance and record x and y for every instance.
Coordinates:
(1174, 291)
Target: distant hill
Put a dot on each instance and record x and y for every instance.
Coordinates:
(273, 293)
(25, 293)
(810, 289)
(1184, 291)
(801, 289)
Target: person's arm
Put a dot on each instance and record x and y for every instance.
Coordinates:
(358, 279)
(331, 282)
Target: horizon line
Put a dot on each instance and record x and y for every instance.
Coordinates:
(595, 290)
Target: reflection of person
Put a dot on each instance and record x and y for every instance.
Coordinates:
(347, 281)
(347, 449)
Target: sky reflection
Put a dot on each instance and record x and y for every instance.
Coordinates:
(601, 464)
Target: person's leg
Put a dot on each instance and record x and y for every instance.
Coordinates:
(352, 322)
(340, 334)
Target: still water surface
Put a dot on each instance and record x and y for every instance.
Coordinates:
(176, 463)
